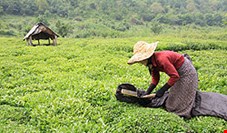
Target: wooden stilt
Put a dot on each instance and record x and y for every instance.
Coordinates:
(27, 41)
(30, 41)
(55, 41)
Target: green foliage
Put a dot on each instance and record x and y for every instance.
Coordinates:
(42, 19)
(70, 87)
(42, 5)
(156, 28)
(7, 32)
(112, 18)
(1, 10)
(62, 28)
(195, 46)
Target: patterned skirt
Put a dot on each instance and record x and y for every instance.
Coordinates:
(182, 94)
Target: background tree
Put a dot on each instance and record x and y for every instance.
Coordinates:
(156, 28)
(156, 8)
(1, 10)
(42, 5)
(114, 17)
(191, 6)
(62, 28)
(42, 19)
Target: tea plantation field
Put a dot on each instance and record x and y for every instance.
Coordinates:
(70, 87)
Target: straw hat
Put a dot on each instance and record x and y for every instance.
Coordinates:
(141, 51)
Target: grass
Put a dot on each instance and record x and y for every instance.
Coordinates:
(70, 87)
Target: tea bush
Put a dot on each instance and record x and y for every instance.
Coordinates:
(70, 87)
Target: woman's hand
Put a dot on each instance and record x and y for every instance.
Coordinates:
(162, 91)
(150, 88)
(141, 93)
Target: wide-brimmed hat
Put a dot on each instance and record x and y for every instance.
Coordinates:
(141, 51)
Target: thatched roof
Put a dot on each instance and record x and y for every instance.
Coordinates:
(40, 31)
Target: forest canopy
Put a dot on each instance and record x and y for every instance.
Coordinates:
(121, 15)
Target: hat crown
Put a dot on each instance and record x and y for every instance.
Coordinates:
(140, 47)
(142, 50)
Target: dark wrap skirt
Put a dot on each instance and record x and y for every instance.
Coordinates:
(182, 94)
(206, 103)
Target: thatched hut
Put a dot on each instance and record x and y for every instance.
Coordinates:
(40, 31)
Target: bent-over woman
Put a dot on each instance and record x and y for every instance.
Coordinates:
(183, 79)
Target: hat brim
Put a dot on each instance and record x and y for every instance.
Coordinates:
(138, 57)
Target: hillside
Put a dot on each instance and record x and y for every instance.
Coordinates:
(110, 18)
(71, 87)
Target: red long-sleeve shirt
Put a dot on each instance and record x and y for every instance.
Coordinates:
(168, 62)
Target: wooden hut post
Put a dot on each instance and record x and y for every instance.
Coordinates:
(30, 40)
(27, 41)
(55, 40)
(49, 40)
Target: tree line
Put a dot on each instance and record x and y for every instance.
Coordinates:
(121, 15)
(173, 12)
